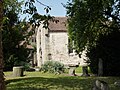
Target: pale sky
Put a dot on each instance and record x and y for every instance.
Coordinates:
(57, 8)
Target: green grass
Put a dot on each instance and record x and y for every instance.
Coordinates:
(79, 70)
(46, 81)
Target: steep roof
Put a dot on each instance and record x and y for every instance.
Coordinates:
(59, 26)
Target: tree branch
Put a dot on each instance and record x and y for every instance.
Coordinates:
(42, 3)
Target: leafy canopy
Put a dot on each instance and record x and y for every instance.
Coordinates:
(15, 33)
(88, 19)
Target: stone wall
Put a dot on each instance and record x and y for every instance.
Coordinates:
(58, 46)
(52, 44)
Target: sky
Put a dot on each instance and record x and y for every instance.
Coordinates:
(56, 6)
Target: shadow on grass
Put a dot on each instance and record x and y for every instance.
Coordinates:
(60, 83)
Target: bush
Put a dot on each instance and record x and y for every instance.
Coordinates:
(108, 50)
(53, 67)
(26, 65)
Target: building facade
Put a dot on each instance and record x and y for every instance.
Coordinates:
(52, 44)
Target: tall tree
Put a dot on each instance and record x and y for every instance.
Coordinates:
(2, 83)
(14, 33)
(88, 19)
(12, 9)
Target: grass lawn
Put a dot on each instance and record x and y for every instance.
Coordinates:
(46, 81)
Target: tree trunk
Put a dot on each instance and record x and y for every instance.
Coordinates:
(2, 83)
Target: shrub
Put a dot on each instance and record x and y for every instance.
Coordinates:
(108, 50)
(53, 67)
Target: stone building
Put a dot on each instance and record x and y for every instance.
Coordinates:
(52, 44)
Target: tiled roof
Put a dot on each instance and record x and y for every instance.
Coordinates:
(59, 26)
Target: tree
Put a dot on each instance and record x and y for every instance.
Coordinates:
(14, 33)
(89, 20)
(12, 9)
(107, 49)
(2, 83)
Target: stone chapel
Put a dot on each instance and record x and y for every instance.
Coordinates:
(52, 44)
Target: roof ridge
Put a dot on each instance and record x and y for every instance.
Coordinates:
(59, 26)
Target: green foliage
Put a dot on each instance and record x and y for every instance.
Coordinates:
(34, 17)
(88, 19)
(108, 50)
(53, 67)
(15, 31)
(13, 5)
(13, 34)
